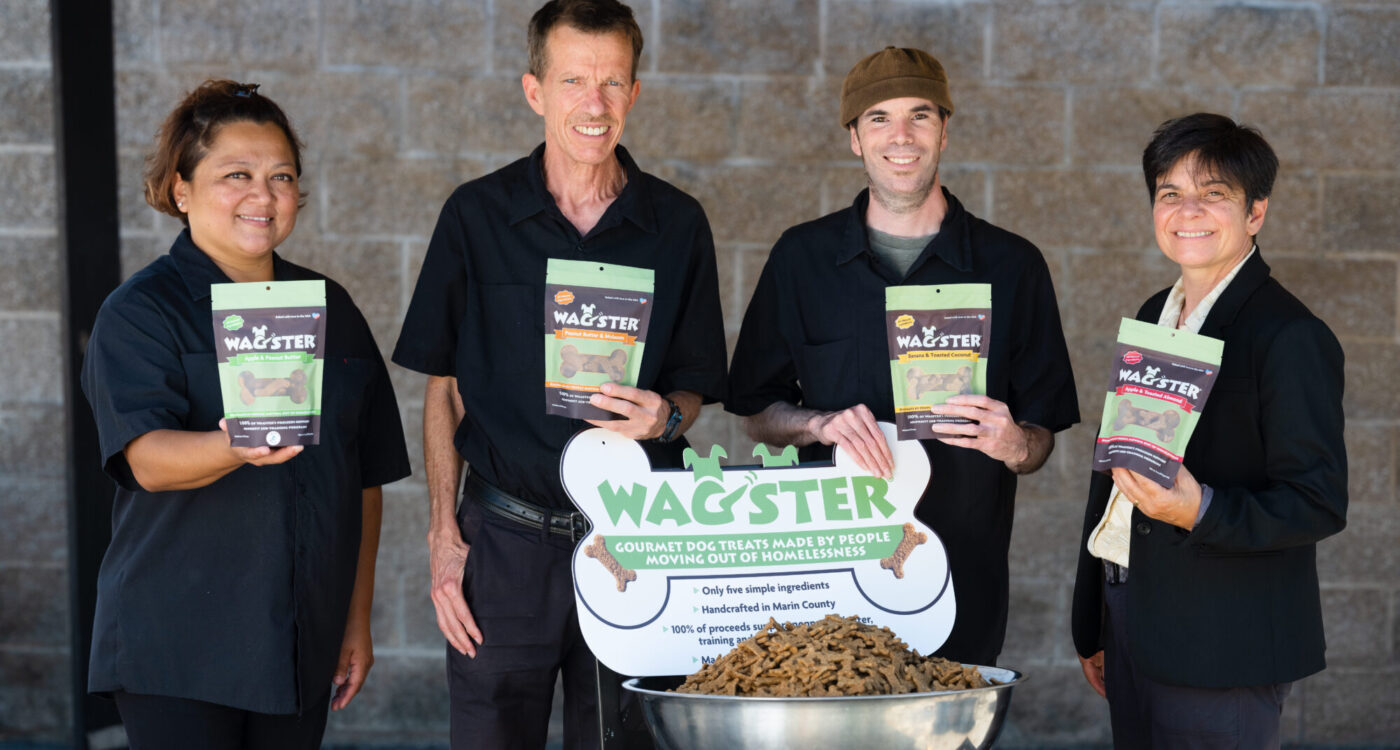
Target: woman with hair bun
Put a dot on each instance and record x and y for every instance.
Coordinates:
(233, 605)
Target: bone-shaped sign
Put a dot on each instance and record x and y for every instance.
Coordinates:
(680, 565)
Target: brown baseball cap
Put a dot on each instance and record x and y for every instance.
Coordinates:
(891, 73)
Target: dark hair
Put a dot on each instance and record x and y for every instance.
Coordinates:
(1235, 153)
(590, 16)
(190, 129)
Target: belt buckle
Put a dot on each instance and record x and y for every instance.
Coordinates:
(578, 526)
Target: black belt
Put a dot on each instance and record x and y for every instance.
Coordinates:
(572, 525)
(1113, 572)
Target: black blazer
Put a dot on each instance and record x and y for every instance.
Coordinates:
(1235, 601)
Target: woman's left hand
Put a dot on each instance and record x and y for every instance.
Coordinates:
(356, 658)
(1177, 506)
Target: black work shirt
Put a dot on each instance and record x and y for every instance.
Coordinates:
(235, 593)
(478, 312)
(814, 335)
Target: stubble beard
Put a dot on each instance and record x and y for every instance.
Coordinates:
(902, 202)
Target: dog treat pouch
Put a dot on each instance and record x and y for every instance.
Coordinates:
(595, 330)
(270, 341)
(938, 337)
(1161, 378)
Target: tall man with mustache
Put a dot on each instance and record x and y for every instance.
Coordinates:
(501, 582)
(811, 367)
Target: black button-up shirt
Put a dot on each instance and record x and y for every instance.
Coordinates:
(235, 593)
(814, 335)
(478, 312)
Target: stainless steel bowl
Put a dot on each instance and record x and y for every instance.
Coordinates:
(955, 719)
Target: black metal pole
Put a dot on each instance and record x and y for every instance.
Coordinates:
(85, 147)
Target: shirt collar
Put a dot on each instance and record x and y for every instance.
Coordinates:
(632, 204)
(952, 244)
(198, 270)
(1176, 299)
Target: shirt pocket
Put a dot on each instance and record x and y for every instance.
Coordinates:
(506, 331)
(203, 391)
(829, 375)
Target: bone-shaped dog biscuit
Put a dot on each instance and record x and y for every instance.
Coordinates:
(921, 382)
(1164, 423)
(613, 365)
(293, 386)
(907, 543)
(598, 550)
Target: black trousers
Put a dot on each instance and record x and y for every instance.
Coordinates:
(1151, 715)
(519, 584)
(158, 722)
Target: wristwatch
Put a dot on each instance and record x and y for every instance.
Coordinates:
(673, 422)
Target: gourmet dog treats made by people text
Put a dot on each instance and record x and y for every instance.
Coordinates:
(1161, 378)
(596, 318)
(834, 656)
(269, 338)
(939, 337)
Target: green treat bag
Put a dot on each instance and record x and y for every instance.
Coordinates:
(1161, 377)
(939, 337)
(596, 317)
(269, 338)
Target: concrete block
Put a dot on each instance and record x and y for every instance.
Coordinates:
(451, 35)
(1056, 707)
(1361, 45)
(133, 213)
(1368, 307)
(404, 701)
(1070, 42)
(27, 117)
(1045, 540)
(29, 197)
(1294, 221)
(28, 374)
(1359, 212)
(1365, 553)
(1037, 626)
(685, 119)
(1353, 706)
(733, 36)
(1371, 474)
(36, 521)
(750, 261)
(1327, 129)
(751, 203)
(1369, 372)
(29, 274)
(368, 270)
(25, 35)
(967, 184)
(404, 198)
(338, 112)
(135, 32)
(1238, 45)
(33, 605)
(31, 440)
(1358, 627)
(480, 114)
(953, 33)
(272, 34)
(139, 250)
(1113, 125)
(767, 110)
(1007, 125)
(420, 626)
(1034, 205)
(34, 694)
(713, 427)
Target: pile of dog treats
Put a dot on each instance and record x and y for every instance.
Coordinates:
(834, 656)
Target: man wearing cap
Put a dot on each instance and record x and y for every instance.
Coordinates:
(811, 366)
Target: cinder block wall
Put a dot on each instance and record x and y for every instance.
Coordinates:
(400, 100)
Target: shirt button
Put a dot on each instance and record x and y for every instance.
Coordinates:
(1144, 528)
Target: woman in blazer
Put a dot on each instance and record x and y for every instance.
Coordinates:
(1196, 641)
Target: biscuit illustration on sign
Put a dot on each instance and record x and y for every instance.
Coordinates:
(1164, 422)
(571, 362)
(251, 388)
(921, 382)
(911, 539)
(598, 550)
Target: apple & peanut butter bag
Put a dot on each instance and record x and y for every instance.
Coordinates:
(269, 338)
(939, 337)
(1161, 378)
(596, 317)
